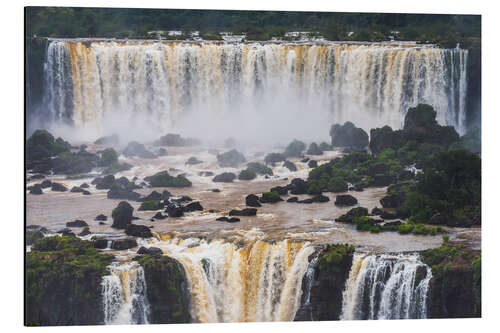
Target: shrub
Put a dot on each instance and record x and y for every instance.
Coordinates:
(108, 157)
(150, 205)
(260, 169)
(405, 228)
(163, 179)
(247, 174)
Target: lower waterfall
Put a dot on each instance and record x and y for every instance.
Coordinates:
(259, 281)
(124, 294)
(386, 286)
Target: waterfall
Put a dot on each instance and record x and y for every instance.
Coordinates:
(257, 281)
(386, 286)
(124, 294)
(372, 85)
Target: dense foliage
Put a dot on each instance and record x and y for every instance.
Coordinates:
(259, 25)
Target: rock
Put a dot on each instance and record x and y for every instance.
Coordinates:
(163, 179)
(320, 198)
(387, 215)
(105, 183)
(46, 183)
(155, 196)
(122, 215)
(281, 190)
(312, 164)
(247, 175)
(376, 211)
(136, 149)
(76, 224)
(259, 168)
(36, 189)
(85, 192)
(348, 135)
(314, 149)
(290, 166)
(305, 160)
(298, 186)
(101, 217)
(76, 189)
(270, 197)
(159, 216)
(345, 200)
(119, 192)
(438, 219)
(306, 201)
(66, 232)
(193, 160)
(108, 140)
(233, 220)
(222, 218)
(138, 231)
(116, 167)
(294, 149)
(100, 243)
(293, 199)
(175, 140)
(351, 214)
(193, 206)
(74, 163)
(243, 212)
(35, 177)
(225, 177)
(205, 173)
(174, 210)
(393, 223)
(230, 159)
(123, 244)
(215, 190)
(150, 205)
(84, 185)
(40, 148)
(161, 152)
(84, 232)
(393, 200)
(252, 200)
(273, 158)
(182, 199)
(152, 250)
(58, 187)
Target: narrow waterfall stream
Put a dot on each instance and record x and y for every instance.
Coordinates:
(124, 294)
(386, 286)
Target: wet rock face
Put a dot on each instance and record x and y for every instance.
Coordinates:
(166, 289)
(122, 215)
(326, 291)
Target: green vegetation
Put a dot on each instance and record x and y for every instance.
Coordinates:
(150, 205)
(270, 197)
(247, 174)
(448, 254)
(348, 135)
(259, 168)
(116, 167)
(108, 157)
(40, 147)
(259, 25)
(163, 179)
(294, 149)
(272, 158)
(335, 256)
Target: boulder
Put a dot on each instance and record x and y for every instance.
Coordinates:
(101, 217)
(105, 183)
(345, 200)
(294, 149)
(320, 198)
(193, 161)
(137, 230)
(247, 174)
(351, 214)
(76, 189)
(348, 135)
(124, 244)
(205, 173)
(174, 210)
(57, 187)
(243, 212)
(76, 224)
(225, 177)
(312, 164)
(290, 165)
(193, 206)
(273, 158)
(230, 159)
(182, 199)
(392, 223)
(306, 201)
(150, 205)
(108, 140)
(293, 199)
(122, 215)
(281, 190)
(163, 179)
(175, 140)
(222, 219)
(252, 200)
(100, 243)
(136, 149)
(270, 197)
(151, 250)
(298, 186)
(85, 192)
(159, 216)
(233, 219)
(46, 183)
(84, 185)
(119, 192)
(156, 196)
(35, 189)
(259, 168)
(84, 232)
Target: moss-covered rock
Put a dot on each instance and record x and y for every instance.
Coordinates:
(108, 157)
(259, 168)
(163, 179)
(270, 197)
(273, 158)
(167, 289)
(122, 215)
(314, 149)
(348, 135)
(230, 159)
(63, 282)
(40, 148)
(150, 205)
(136, 149)
(294, 149)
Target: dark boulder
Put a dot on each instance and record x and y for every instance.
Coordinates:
(156, 196)
(231, 159)
(377, 211)
(273, 158)
(259, 168)
(348, 135)
(294, 149)
(122, 215)
(123, 244)
(345, 200)
(105, 183)
(225, 177)
(66, 232)
(293, 199)
(298, 186)
(233, 220)
(137, 230)
(281, 190)
(290, 165)
(136, 149)
(100, 243)
(35, 189)
(252, 200)
(76, 189)
(108, 140)
(163, 179)
(57, 187)
(46, 183)
(101, 217)
(247, 174)
(76, 224)
(320, 198)
(159, 216)
(84, 232)
(351, 214)
(119, 192)
(193, 206)
(306, 201)
(174, 210)
(222, 219)
(84, 185)
(270, 197)
(150, 250)
(193, 161)
(175, 140)
(205, 173)
(85, 192)
(243, 212)
(312, 164)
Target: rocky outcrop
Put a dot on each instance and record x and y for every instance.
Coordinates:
(136, 149)
(252, 200)
(167, 289)
(138, 231)
(230, 159)
(345, 200)
(225, 177)
(348, 135)
(122, 215)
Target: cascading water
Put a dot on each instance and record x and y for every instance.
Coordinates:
(124, 294)
(386, 286)
(372, 85)
(258, 281)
